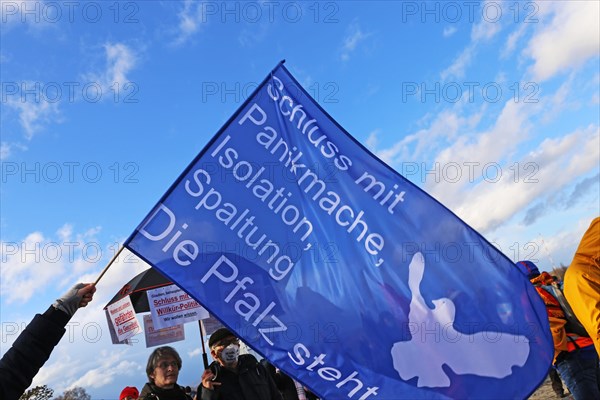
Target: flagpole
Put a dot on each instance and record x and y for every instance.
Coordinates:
(204, 355)
(112, 260)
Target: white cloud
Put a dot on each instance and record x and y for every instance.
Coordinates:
(567, 97)
(571, 38)
(563, 243)
(460, 64)
(449, 31)
(477, 154)
(564, 200)
(36, 263)
(477, 195)
(34, 115)
(61, 369)
(372, 140)
(190, 19)
(119, 61)
(548, 243)
(354, 37)
(253, 34)
(110, 368)
(484, 30)
(28, 266)
(8, 149)
(65, 232)
(195, 352)
(444, 128)
(557, 163)
(481, 32)
(509, 129)
(5, 150)
(25, 12)
(513, 39)
(99, 370)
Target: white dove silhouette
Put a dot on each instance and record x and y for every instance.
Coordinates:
(436, 342)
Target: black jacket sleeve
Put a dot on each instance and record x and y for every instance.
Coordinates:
(273, 391)
(30, 351)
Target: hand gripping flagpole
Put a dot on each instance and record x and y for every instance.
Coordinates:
(112, 260)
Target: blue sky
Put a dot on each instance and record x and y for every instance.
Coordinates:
(492, 108)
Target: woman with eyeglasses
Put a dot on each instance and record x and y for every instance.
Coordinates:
(162, 370)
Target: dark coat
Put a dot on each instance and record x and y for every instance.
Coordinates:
(30, 351)
(251, 382)
(149, 392)
(285, 383)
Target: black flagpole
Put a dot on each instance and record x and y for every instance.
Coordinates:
(204, 355)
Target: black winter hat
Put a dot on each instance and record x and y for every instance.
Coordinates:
(219, 335)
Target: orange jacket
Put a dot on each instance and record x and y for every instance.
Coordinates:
(563, 340)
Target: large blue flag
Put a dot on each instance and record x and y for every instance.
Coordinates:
(339, 270)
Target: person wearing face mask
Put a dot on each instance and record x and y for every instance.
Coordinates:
(233, 376)
(162, 370)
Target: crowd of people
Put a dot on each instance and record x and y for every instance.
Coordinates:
(235, 376)
(231, 376)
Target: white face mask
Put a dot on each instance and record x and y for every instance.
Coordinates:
(230, 354)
